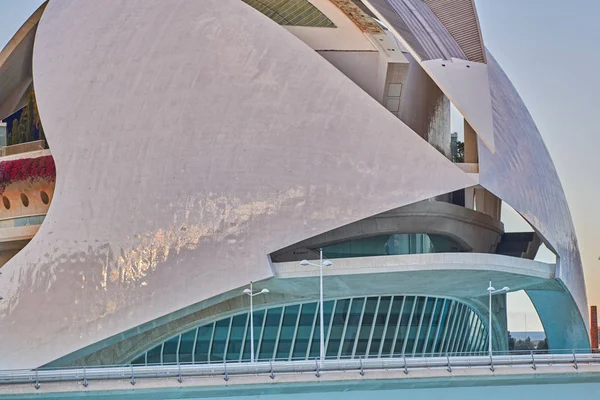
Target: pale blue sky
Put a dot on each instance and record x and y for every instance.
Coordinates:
(549, 49)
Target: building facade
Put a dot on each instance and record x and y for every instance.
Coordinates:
(163, 155)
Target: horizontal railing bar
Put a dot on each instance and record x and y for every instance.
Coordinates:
(286, 367)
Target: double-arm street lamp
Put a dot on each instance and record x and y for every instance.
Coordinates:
(492, 291)
(251, 294)
(321, 264)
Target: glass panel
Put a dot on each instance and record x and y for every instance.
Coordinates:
(396, 244)
(258, 323)
(365, 327)
(404, 320)
(425, 326)
(414, 326)
(203, 343)
(327, 312)
(379, 325)
(305, 327)
(391, 326)
(217, 353)
(444, 322)
(141, 360)
(288, 326)
(352, 327)
(236, 336)
(186, 347)
(170, 350)
(154, 355)
(269, 338)
(337, 327)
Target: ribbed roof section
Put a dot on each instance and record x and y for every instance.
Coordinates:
(460, 19)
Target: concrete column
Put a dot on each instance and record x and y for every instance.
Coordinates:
(471, 155)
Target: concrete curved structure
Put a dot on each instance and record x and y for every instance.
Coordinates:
(196, 141)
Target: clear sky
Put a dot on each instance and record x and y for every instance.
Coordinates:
(549, 49)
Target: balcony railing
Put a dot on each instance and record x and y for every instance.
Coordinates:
(22, 148)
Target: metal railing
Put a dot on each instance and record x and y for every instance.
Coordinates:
(534, 360)
(22, 148)
(26, 220)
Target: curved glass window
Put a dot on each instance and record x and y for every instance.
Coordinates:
(395, 244)
(292, 12)
(377, 326)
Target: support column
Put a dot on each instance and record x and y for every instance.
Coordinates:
(594, 326)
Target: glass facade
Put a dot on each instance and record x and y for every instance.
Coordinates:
(377, 326)
(395, 244)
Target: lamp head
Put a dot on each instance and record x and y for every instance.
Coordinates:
(327, 263)
(304, 263)
(491, 289)
(265, 291)
(506, 288)
(248, 292)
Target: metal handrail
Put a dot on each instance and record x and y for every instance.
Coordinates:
(22, 148)
(273, 367)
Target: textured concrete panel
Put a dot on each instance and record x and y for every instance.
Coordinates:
(191, 140)
(522, 174)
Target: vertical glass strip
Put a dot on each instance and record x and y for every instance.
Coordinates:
(286, 335)
(203, 343)
(259, 319)
(270, 331)
(438, 326)
(366, 324)
(306, 323)
(186, 347)
(406, 304)
(409, 324)
(358, 328)
(236, 336)
(219, 343)
(379, 324)
(393, 326)
(170, 350)
(386, 325)
(337, 327)
(154, 355)
(328, 308)
(424, 318)
(447, 326)
(433, 317)
(351, 328)
(295, 332)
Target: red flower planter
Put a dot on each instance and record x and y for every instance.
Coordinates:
(27, 169)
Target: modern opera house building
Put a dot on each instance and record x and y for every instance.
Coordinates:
(161, 155)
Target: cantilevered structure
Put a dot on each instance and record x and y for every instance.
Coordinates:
(201, 145)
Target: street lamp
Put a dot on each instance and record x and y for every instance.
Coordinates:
(492, 291)
(251, 294)
(321, 264)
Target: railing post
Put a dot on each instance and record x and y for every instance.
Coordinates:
(362, 371)
(405, 365)
(533, 361)
(575, 360)
(272, 375)
(448, 359)
(85, 382)
(132, 376)
(491, 362)
(226, 377)
(180, 378)
(37, 380)
(318, 374)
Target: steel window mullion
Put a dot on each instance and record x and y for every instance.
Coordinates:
(398, 326)
(457, 331)
(343, 338)
(471, 332)
(412, 313)
(372, 327)
(243, 348)
(439, 326)
(262, 334)
(312, 332)
(295, 332)
(426, 344)
(457, 310)
(177, 351)
(387, 320)
(359, 327)
(455, 328)
(414, 349)
(330, 324)
(448, 326)
(274, 355)
(194, 346)
(463, 331)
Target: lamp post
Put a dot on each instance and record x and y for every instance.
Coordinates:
(492, 291)
(251, 294)
(321, 264)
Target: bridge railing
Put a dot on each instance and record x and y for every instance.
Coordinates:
(532, 359)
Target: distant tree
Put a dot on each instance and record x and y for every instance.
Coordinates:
(459, 157)
(542, 344)
(526, 344)
(511, 342)
(14, 131)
